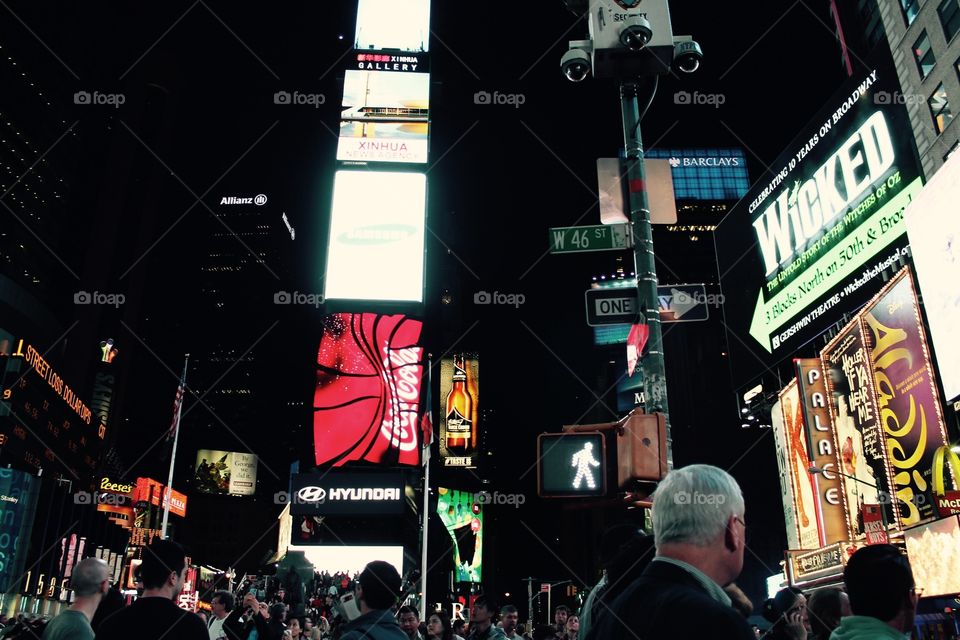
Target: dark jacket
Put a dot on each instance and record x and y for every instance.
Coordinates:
(666, 602)
(375, 625)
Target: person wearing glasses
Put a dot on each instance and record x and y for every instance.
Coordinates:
(700, 536)
(883, 596)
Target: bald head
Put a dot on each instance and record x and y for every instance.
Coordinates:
(88, 576)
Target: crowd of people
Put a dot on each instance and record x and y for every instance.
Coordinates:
(677, 583)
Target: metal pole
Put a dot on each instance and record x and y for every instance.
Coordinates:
(549, 598)
(173, 455)
(654, 376)
(530, 603)
(423, 544)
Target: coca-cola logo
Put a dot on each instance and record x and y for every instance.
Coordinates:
(402, 375)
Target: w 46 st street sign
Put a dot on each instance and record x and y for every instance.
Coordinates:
(598, 237)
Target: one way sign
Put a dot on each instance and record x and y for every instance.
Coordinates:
(618, 305)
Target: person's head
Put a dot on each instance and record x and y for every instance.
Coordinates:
(277, 612)
(378, 586)
(164, 568)
(880, 585)
(739, 600)
(573, 624)
(438, 626)
(560, 616)
(221, 604)
(698, 510)
(789, 603)
(307, 625)
(91, 578)
(510, 617)
(409, 619)
(458, 626)
(482, 611)
(295, 627)
(825, 608)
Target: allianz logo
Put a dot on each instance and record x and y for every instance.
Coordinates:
(312, 495)
(259, 200)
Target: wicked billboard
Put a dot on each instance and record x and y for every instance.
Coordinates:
(807, 243)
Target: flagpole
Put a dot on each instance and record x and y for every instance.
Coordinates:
(428, 410)
(173, 456)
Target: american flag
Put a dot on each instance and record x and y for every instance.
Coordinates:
(177, 403)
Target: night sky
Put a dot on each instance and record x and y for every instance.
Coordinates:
(499, 177)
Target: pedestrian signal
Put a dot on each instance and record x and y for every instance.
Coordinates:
(571, 465)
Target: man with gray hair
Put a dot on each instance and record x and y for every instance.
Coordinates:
(90, 581)
(699, 532)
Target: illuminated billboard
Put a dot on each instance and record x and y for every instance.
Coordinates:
(225, 472)
(807, 243)
(935, 243)
(907, 399)
(797, 468)
(933, 556)
(18, 504)
(706, 174)
(43, 421)
(778, 426)
(402, 25)
(149, 491)
(822, 448)
(460, 414)
(385, 115)
(861, 451)
(369, 374)
(376, 227)
(462, 515)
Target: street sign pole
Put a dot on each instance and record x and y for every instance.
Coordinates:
(652, 364)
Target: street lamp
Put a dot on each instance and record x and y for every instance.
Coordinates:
(814, 469)
(632, 41)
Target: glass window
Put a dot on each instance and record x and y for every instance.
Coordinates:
(949, 11)
(923, 55)
(940, 109)
(910, 9)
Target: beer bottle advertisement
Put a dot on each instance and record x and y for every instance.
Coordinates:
(459, 406)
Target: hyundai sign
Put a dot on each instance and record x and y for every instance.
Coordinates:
(354, 493)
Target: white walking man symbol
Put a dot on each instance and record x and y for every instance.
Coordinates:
(583, 460)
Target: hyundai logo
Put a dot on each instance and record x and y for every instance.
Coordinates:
(312, 494)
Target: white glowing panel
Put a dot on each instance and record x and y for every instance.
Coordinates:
(393, 24)
(375, 251)
(350, 559)
(935, 244)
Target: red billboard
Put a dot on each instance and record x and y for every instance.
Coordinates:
(369, 375)
(151, 491)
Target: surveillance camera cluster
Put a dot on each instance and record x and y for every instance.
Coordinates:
(641, 44)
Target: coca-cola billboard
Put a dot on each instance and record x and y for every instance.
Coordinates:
(367, 399)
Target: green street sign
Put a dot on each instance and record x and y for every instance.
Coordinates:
(599, 237)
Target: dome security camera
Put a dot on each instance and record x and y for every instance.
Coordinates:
(687, 56)
(575, 65)
(635, 33)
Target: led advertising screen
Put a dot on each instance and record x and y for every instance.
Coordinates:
(933, 556)
(369, 374)
(18, 504)
(571, 464)
(44, 423)
(350, 559)
(151, 491)
(385, 116)
(462, 515)
(935, 243)
(225, 472)
(402, 25)
(907, 398)
(807, 243)
(460, 413)
(376, 227)
(706, 174)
